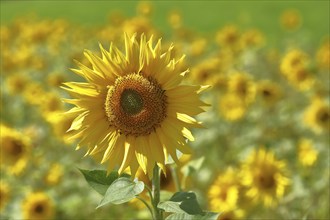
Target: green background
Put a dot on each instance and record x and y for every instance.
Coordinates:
(202, 16)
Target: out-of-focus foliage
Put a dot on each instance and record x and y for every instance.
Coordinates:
(266, 135)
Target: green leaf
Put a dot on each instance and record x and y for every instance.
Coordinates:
(122, 190)
(170, 206)
(192, 166)
(185, 216)
(179, 216)
(99, 180)
(188, 202)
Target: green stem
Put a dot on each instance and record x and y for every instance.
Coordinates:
(149, 191)
(146, 204)
(156, 193)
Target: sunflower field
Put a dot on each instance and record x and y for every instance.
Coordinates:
(165, 110)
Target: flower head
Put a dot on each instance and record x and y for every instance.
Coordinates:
(264, 176)
(307, 154)
(317, 116)
(223, 194)
(38, 206)
(291, 19)
(14, 149)
(242, 85)
(269, 92)
(231, 107)
(133, 112)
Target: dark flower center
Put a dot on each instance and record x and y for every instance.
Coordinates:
(39, 208)
(131, 102)
(135, 104)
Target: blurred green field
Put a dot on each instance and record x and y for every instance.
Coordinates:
(202, 16)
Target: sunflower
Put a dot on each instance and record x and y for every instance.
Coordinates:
(241, 84)
(223, 193)
(290, 19)
(16, 83)
(231, 107)
(307, 154)
(133, 111)
(38, 206)
(204, 71)
(269, 92)
(292, 61)
(301, 78)
(228, 37)
(15, 148)
(234, 214)
(51, 103)
(264, 177)
(54, 174)
(4, 194)
(323, 55)
(252, 38)
(317, 116)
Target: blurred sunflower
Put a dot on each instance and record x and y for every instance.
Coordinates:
(323, 55)
(4, 194)
(54, 174)
(301, 78)
(133, 111)
(290, 19)
(235, 214)
(317, 116)
(242, 85)
(307, 154)
(269, 92)
(293, 60)
(223, 193)
(252, 38)
(16, 83)
(38, 206)
(15, 149)
(264, 177)
(204, 71)
(231, 107)
(51, 103)
(32, 91)
(228, 37)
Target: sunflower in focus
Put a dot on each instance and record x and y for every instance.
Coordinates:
(264, 177)
(38, 206)
(133, 111)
